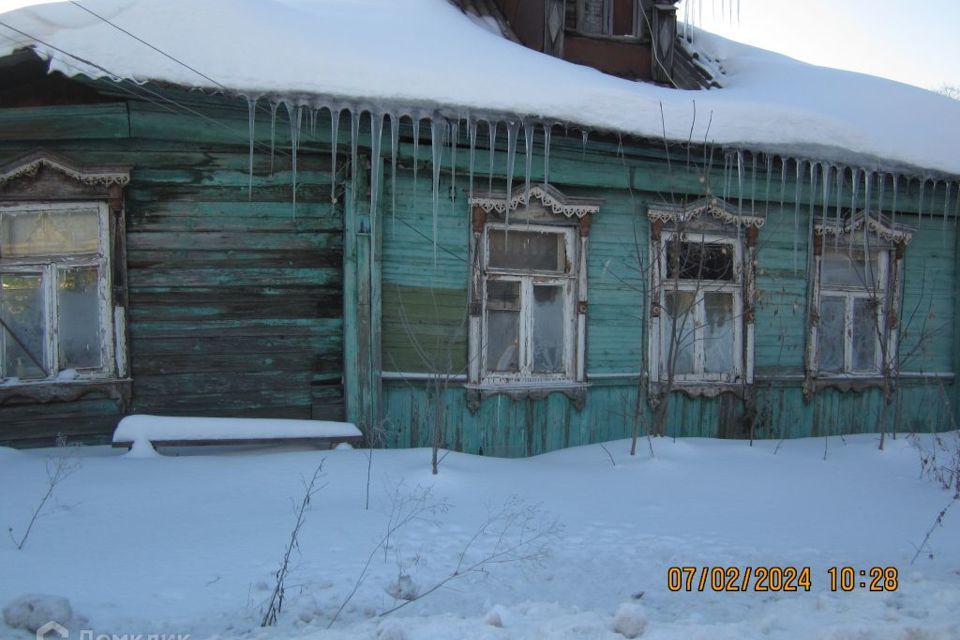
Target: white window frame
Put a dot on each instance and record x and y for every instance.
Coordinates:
(881, 258)
(528, 278)
(734, 287)
(49, 267)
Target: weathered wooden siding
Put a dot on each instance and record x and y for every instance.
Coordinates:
(235, 298)
(425, 298)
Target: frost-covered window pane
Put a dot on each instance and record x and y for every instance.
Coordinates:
(700, 261)
(79, 318)
(503, 326)
(548, 329)
(718, 331)
(527, 250)
(503, 295)
(22, 333)
(847, 268)
(592, 16)
(864, 335)
(45, 233)
(830, 333)
(678, 332)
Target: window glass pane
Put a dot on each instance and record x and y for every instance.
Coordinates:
(864, 335)
(591, 16)
(677, 332)
(830, 333)
(845, 267)
(718, 356)
(503, 295)
(527, 250)
(79, 317)
(23, 328)
(548, 329)
(44, 233)
(503, 341)
(700, 261)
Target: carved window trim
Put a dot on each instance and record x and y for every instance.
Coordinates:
(43, 181)
(560, 214)
(866, 234)
(708, 221)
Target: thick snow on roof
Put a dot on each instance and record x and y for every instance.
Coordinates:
(427, 52)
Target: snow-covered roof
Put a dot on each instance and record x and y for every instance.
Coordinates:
(427, 53)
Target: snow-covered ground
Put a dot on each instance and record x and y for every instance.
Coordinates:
(189, 544)
(424, 54)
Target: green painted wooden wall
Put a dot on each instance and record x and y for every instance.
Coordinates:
(235, 298)
(425, 296)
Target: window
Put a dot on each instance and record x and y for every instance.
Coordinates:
(56, 318)
(610, 17)
(850, 310)
(702, 290)
(701, 308)
(528, 293)
(529, 281)
(856, 291)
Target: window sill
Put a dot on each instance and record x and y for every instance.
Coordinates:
(526, 390)
(702, 388)
(53, 390)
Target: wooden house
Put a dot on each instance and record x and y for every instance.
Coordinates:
(500, 283)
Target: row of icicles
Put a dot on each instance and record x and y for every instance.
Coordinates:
(833, 188)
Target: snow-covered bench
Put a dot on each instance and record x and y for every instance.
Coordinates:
(143, 431)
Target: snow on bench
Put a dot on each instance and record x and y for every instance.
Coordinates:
(141, 432)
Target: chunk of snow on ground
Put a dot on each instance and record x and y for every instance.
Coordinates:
(32, 611)
(428, 53)
(496, 617)
(145, 428)
(630, 621)
(403, 588)
(391, 629)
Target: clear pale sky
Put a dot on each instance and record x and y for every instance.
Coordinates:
(916, 42)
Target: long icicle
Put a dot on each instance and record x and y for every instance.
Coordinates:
(796, 216)
(472, 140)
(547, 134)
(528, 130)
(454, 132)
(376, 147)
(354, 150)
(415, 116)
(334, 133)
(513, 129)
(492, 137)
(251, 126)
(394, 150)
(438, 127)
(273, 131)
(296, 118)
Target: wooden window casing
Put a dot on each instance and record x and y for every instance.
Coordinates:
(52, 356)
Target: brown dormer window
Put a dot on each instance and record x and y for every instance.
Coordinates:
(610, 17)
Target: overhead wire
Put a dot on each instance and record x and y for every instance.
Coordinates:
(118, 79)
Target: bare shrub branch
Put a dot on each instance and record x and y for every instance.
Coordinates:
(517, 532)
(275, 604)
(59, 469)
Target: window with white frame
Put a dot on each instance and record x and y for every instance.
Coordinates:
(528, 329)
(528, 292)
(702, 275)
(701, 302)
(856, 291)
(56, 317)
